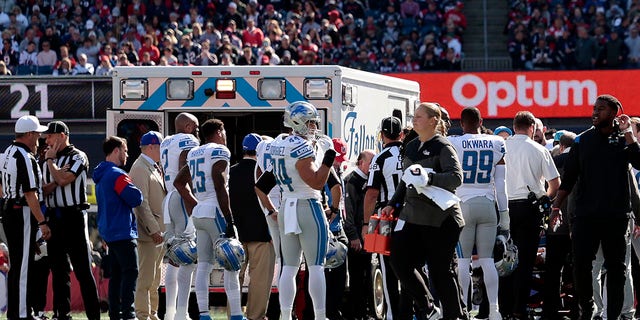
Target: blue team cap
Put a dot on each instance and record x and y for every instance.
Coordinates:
(558, 135)
(502, 129)
(250, 142)
(151, 137)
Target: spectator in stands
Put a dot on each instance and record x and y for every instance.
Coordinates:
(247, 57)
(21, 19)
(64, 68)
(169, 58)
(270, 17)
(252, 36)
(225, 60)
(123, 60)
(149, 46)
(391, 33)
(310, 24)
(29, 57)
(451, 62)
(614, 52)
(189, 51)
(565, 51)
(29, 36)
(206, 57)
(586, 50)
(252, 11)
(232, 14)
(456, 16)
(158, 9)
(542, 56)
(4, 18)
(389, 14)
(354, 7)
(193, 17)
(104, 68)
(386, 64)
(146, 60)
(46, 57)
(9, 56)
(633, 43)
(83, 67)
(408, 64)
(409, 9)
(212, 34)
(130, 51)
(51, 37)
(286, 59)
(285, 46)
(430, 61)
(90, 48)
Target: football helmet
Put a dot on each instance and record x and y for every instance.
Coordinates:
(182, 252)
(336, 253)
(505, 256)
(229, 253)
(297, 116)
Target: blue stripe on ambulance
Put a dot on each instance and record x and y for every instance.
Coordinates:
(157, 99)
(249, 93)
(199, 98)
(293, 94)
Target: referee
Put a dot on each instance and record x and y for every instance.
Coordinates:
(65, 178)
(21, 212)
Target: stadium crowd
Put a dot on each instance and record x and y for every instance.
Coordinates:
(576, 34)
(70, 37)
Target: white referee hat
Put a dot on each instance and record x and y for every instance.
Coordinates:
(28, 124)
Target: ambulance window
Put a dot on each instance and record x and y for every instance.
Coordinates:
(179, 89)
(134, 89)
(132, 130)
(317, 89)
(271, 89)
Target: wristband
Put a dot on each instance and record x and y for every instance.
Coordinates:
(627, 130)
(47, 159)
(365, 223)
(271, 212)
(555, 209)
(42, 223)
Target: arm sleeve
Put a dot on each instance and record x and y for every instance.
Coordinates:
(127, 191)
(451, 176)
(633, 152)
(266, 182)
(571, 168)
(501, 187)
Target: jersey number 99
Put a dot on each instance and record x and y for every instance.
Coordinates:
(477, 166)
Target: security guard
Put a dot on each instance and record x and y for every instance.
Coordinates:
(65, 179)
(21, 178)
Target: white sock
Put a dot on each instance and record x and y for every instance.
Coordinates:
(185, 277)
(490, 279)
(181, 313)
(465, 278)
(287, 290)
(232, 288)
(170, 285)
(203, 270)
(317, 291)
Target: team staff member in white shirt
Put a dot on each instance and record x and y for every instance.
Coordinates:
(483, 186)
(302, 222)
(173, 156)
(208, 199)
(530, 164)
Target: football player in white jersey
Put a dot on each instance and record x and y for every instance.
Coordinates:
(173, 156)
(483, 185)
(303, 225)
(208, 201)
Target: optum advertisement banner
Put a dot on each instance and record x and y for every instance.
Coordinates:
(548, 94)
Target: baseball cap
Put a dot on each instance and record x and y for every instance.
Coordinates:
(57, 127)
(29, 123)
(558, 135)
(341, 148)
(151, 137)
(391, 126)
(250, 142)
(502, 129)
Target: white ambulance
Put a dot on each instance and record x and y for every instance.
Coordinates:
(252, 99)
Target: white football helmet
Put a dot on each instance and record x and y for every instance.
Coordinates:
(297, 116)
(229, 253)
(505, 256)
(182, 252)
(336, 253)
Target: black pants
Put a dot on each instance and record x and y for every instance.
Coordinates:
(359, 264)
(558, 253)
(20, 229)
(41, 270)
(514, 290)
(587, 234)
(70, 242)
(415, 244)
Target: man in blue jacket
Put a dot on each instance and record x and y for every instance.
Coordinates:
(116, 197)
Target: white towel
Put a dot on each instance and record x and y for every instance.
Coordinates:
(291, 217)
(443, 198)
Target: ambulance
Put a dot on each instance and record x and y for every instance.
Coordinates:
(251, 99)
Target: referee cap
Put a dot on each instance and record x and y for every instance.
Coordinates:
(28, 124)
(151, 137)
(391, 126)
(57, 127)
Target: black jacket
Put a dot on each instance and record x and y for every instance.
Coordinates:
(355, 188)
(247, 212)
(598, 166)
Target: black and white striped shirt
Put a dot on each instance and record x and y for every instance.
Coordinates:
(385, 172)
(74, 193)
(20, 172)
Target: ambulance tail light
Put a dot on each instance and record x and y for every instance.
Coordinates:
(134, 89)
(179, 89)
(271, 89)
(317, 89)
(225, 89)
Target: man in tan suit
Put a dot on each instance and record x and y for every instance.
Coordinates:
(147, 176)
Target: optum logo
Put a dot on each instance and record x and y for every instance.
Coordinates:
(523, 93)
